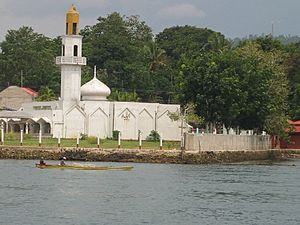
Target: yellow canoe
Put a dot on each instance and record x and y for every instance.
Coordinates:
(82, 167)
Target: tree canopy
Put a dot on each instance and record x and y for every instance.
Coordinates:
(28, 58)
(245, 87)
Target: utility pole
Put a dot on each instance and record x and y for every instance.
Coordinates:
(21, 78)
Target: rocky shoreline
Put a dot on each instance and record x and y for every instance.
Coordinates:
(144, 156)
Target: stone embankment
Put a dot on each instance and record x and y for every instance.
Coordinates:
(143, 156)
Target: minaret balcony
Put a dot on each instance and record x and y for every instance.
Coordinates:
(70, 60)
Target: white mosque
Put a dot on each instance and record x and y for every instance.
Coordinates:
(85, 109)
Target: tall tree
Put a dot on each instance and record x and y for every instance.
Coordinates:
(115, 44)
(245, 87)
(266, 83)
(155, 56)
(28, 58)
(188, 40)
(183, 43)
(293, 70)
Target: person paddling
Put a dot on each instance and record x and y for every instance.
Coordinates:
(62, 162)
(42, 162)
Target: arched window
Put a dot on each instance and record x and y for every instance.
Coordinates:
(74, 28)
(63, 50)
(67, 28)
(75, 50)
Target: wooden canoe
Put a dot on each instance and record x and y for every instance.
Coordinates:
(82, 167)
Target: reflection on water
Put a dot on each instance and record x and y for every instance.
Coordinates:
(150, 194)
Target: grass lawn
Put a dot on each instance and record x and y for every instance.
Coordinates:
(90, 143)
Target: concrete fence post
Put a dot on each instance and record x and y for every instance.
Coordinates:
(58, 140)
(77, 139)
(26, 128)
(119, 140)
(140, 140)
(21, 137)
(2, 135)
(161, 142)
(40, 137)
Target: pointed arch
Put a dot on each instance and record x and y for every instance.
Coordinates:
(74, 121)
(166, 127)
(146, 123)
(126, 113)
(126, 122)
(165, 113)
(98, 123)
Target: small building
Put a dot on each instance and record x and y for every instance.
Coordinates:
(13, 97)
(294, 142)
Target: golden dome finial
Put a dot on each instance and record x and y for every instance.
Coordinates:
(72, 21)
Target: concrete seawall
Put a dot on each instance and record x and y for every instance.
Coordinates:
(220, 142)
(143, 156)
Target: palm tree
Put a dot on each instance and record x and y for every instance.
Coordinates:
(156, 56)
(217, 42)
(46, 94)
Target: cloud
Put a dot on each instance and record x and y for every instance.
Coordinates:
(45, 8)
(181, 10)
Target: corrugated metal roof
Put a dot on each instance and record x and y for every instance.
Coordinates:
(294, 122)
(6, 108)
(14, 114)
(296, 126)
(33, 93)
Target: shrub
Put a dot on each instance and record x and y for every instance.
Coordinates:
(153, 136)
(83, 136)
(171, 145)
(92, 140)
(27, 136)
(11, 136)
(115, 134)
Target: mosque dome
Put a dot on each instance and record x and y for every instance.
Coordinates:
(94, 90)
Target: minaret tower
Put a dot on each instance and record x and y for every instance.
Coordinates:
(71, 60)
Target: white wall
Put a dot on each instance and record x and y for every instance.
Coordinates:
(98, 124)
(74, 122)
(146, 123)
(129, 117)
(220, 142)
(102, 117)
(170, 130)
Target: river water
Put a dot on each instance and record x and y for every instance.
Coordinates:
(150, 194)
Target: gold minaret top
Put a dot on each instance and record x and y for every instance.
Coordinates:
(72, 21)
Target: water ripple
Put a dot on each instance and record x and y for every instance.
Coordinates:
(150, 194)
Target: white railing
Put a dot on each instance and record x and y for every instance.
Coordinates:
(71, 60)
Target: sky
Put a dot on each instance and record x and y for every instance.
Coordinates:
(233, 18)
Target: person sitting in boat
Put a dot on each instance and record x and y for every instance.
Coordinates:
(62, 162)
(42, 162)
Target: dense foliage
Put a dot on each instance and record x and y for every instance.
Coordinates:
(253, 83)
(28, 58)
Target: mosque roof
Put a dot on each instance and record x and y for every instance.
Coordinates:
(30, 91)
(95, 90)
(14, 114)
